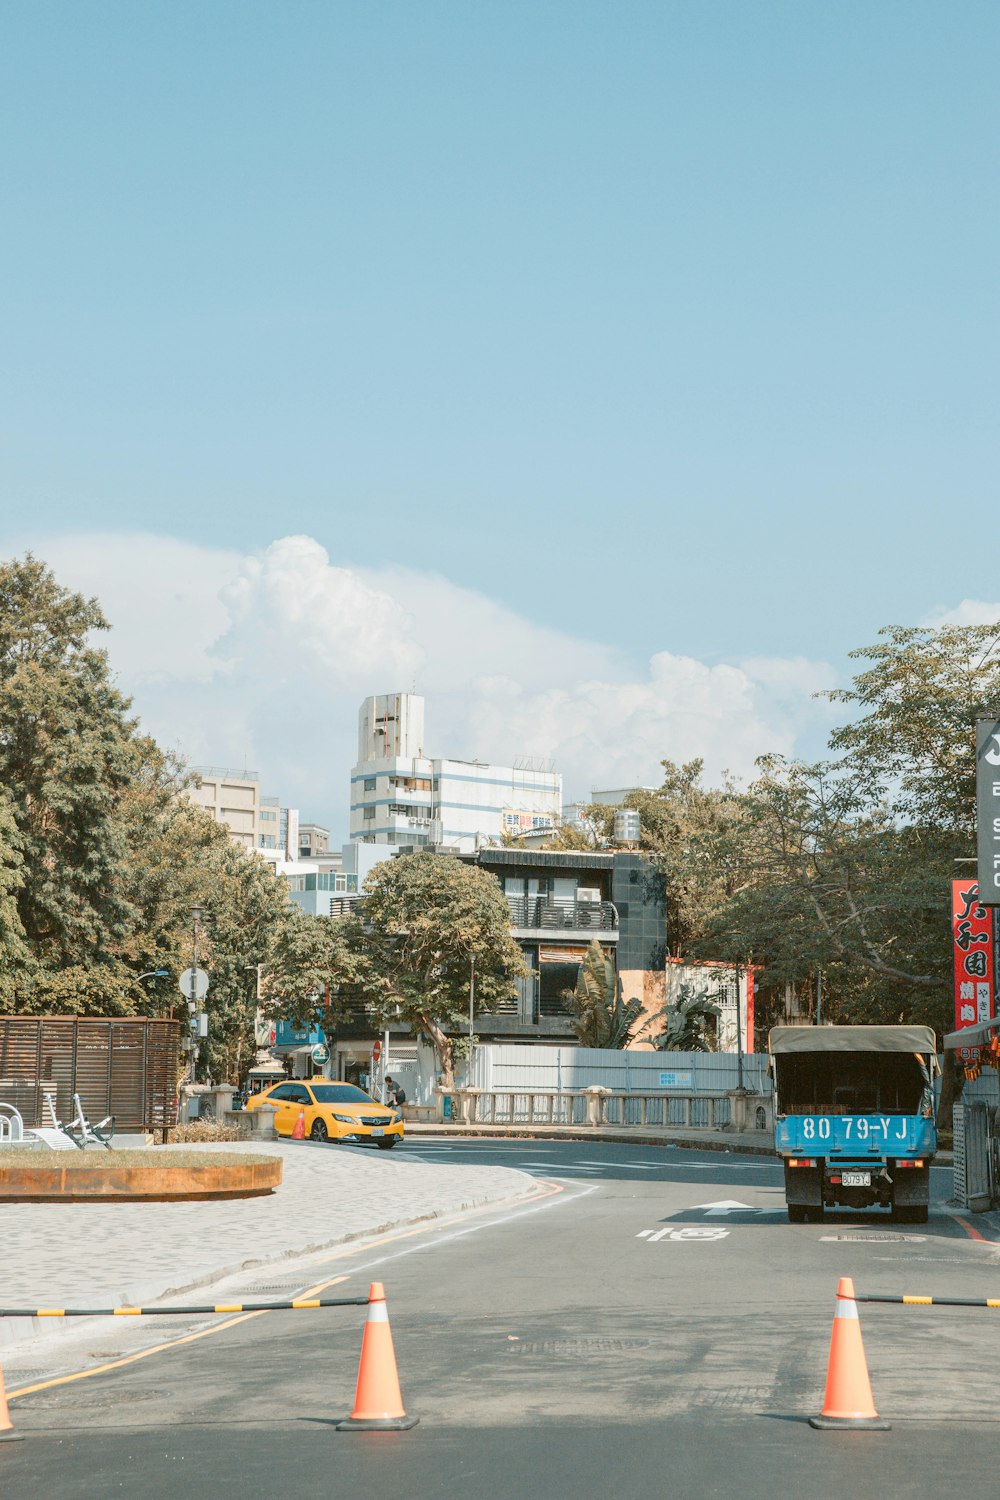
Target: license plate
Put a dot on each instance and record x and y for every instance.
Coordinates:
(857, 1179)
(377, 1130)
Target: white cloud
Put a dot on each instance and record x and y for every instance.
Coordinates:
(969, 612)
(262, 661)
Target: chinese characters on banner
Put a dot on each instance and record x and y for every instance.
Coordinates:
(972, 930)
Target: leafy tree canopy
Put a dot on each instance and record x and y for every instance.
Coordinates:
(428, 921)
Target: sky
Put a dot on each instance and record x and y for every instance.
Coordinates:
(606, 372)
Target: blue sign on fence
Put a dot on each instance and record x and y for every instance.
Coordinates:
(676, 1080)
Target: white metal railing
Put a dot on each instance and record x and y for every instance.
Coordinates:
(597, 1106)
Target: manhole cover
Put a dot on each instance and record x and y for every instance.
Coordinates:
(572, 1347)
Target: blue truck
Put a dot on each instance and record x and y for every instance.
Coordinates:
(854, 1117)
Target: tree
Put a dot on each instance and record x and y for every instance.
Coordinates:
(68, 751)
(603, 1018)
(845, 865)
(914, 744)
(686, 1023)
(101, 855)
(318, 965)
(428, 919)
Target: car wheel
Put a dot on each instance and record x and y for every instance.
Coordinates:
(387, 1144)
(319, 1131)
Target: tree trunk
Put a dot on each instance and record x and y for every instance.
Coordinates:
(443, 1050)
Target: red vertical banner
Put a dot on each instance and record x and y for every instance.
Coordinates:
(972, 932)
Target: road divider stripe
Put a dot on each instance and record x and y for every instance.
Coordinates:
(930, 1301)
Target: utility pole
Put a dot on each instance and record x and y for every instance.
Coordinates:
(819, 997)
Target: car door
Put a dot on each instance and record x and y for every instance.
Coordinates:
(298, 1101)
(283, 1099)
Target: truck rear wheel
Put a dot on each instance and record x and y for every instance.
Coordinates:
(797, 1213)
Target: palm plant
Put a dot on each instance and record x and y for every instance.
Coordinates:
(603, 1018)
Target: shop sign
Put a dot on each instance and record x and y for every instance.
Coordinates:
(972, 934)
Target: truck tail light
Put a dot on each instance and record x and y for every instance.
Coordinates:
(909, 1164)
(801, 1161)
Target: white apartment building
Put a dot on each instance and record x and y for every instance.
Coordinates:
(401, 796)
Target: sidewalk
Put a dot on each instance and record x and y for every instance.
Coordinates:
(129, 1254)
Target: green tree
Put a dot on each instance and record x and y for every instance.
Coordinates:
(317, 967)
(603, 1018)
(428, 919)
(68, 751)
(687, 1023)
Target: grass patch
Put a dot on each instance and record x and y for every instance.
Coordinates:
(93, 1160)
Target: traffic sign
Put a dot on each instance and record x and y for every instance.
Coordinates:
(376, 1050)
(193, 984)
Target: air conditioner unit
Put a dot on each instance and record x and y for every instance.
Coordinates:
(588, 893)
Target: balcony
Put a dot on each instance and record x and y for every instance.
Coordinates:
(542, 917)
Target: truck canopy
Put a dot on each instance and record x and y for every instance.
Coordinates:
(784, 1039)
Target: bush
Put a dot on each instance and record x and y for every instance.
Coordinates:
(205, 1131)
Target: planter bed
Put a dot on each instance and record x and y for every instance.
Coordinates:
(28, 1175)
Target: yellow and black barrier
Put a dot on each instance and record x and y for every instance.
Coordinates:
(929, 1301)
(296, 1305)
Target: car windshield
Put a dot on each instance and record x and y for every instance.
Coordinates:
(339, 1093)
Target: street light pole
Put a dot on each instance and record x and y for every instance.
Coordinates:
(195, 1003)
(472, 1003)
(739, 1033)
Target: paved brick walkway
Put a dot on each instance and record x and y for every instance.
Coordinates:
(73, 1254)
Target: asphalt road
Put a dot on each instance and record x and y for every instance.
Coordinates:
(652, 1324)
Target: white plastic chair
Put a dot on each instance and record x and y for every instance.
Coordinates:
(11, 1126)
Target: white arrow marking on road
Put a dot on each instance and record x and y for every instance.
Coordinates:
(729, 1206)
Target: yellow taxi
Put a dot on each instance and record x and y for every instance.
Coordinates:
(333, 1112)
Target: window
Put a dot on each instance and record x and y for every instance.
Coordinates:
(369, 783)
(283, 1091)
(267, 841)
(267, 817)
(369, 814)
(339, 1093)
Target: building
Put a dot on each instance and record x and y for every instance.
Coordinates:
(233, 798)
(403, 797)
(314, 840)
(559, 902)
(254, 822)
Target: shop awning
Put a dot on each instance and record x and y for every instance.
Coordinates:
(971, 1036)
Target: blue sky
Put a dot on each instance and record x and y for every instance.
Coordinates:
(668, 327)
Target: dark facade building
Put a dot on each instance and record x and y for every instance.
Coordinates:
(559, 902)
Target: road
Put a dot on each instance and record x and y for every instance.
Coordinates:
(651, 1324)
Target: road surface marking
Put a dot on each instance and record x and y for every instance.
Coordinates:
(701, 1233)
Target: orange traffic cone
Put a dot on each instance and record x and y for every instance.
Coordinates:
(299, 1128)
(848, 1400)
(7, 1433)
(378, 1402)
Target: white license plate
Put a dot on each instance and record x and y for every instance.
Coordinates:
(857, 1179)
(377, 1130)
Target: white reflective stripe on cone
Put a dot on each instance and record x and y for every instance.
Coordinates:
(846, 1308)
(379, 1313)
